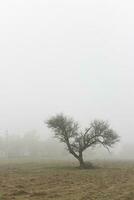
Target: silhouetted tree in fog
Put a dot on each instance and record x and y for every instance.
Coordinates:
(68, 132)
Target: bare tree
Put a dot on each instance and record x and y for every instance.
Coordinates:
(68, 132)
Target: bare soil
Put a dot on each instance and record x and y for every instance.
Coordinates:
(63, 181)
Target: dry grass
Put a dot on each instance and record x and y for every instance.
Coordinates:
(45, 181)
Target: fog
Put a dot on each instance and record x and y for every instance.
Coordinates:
(74, 57)
(30, 145)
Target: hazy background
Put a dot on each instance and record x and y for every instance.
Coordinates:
(74, 57)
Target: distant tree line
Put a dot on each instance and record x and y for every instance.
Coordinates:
(29, 144)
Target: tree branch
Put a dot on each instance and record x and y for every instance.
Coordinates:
(70, 149)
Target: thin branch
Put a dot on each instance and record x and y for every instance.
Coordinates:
(87, 131)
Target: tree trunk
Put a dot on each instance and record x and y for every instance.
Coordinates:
(81, 161)
(84, 165)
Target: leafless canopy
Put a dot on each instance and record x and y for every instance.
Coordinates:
(68, 131)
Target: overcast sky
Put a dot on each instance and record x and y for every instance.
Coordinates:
(70, 56)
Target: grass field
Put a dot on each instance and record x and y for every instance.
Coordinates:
(63, 181)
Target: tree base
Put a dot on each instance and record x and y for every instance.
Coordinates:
(87, 165)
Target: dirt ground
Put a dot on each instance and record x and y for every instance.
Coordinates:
(63, 181)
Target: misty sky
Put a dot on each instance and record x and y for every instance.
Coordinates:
(70, 56)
